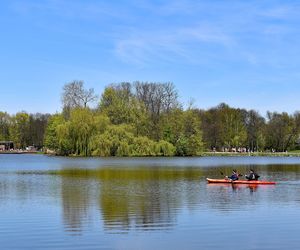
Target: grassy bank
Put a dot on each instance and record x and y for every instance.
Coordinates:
(295, 153)
(269, 154)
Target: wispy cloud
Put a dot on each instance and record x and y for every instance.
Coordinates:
(173, 44)
(280, 12)
(248, 46)
(141, 31)
(233, 28)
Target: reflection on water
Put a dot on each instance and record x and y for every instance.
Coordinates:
(77, 197)
(150, 198)
(140, 198)
(172, 203)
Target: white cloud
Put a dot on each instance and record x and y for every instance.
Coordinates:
(279, 12)
(140, 46)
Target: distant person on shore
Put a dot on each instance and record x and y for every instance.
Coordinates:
(252, 176)
(234, 176)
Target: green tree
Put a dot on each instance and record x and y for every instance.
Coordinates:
(19, 130)
(281, 131)
(113, 142)
(5, 122)
(234, 132)
(37, 126)
(164, 148)
(81, 128)
(122, 107)
(255, 125)
(51, 140)
(65, 142)
(193, 133)
(172, 125)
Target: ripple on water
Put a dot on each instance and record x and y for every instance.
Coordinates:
(142, 207)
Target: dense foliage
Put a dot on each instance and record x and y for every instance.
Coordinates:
(147, 119)
(23, 128)
(140, 119)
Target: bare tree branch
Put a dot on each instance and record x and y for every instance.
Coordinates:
(74, 95)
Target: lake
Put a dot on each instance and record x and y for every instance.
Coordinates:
(147, 203)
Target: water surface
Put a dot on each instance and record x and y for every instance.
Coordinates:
(146, 203)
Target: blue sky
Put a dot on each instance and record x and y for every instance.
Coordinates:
(244, 53)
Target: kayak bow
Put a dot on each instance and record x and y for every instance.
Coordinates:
(240, 181)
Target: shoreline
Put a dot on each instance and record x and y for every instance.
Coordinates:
(204, 154)
(18, 152)
(266, 154)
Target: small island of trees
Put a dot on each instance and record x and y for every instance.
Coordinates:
(147, 119)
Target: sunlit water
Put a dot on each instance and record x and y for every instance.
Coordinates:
(146, 203)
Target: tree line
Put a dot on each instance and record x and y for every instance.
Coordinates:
(147, 119)
(23, 129)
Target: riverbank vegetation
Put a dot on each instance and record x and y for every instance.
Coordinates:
(147, 119)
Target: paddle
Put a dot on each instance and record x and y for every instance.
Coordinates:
(240, 175)
(224, 175)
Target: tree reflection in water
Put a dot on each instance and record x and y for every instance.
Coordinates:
(140, 198)
(76, 195)
(119, 199)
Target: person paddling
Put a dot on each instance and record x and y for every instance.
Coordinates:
(252, 176)
(234, 176)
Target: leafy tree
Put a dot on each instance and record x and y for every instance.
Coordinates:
(113, 141)
(212, 128)
(234, 132)
(19, 130)
(81, 129)
(101, 145)
(164, 148)
(255, 125)
(143, 146)
(5, 122)
(121, 106)
(65, 142)
(190, 140)
(51, 140)
(37, 126)
(172, 125)
(281, 131)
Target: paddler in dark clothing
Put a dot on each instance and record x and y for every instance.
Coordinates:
(234, 176)
(252, 176)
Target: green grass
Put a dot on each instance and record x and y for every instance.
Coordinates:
(294, 151)
(276, 154)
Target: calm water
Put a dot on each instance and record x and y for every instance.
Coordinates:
(146, 203)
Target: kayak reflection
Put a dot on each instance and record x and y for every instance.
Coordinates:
(235, 187)
(235, 197)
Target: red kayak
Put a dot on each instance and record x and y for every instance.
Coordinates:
(240, 181)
